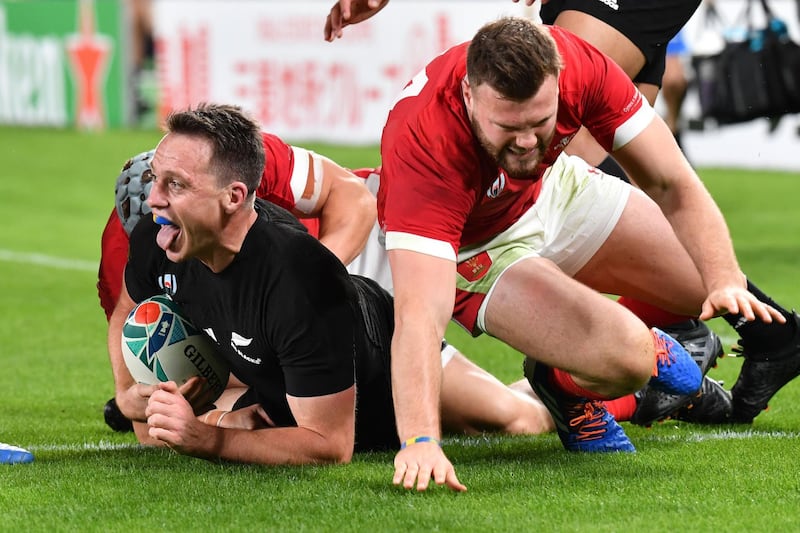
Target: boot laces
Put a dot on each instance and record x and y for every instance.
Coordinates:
(589, 423)
(664, 355)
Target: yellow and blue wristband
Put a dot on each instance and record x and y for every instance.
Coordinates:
(422, 438)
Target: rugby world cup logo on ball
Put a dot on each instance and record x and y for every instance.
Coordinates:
(159, 344)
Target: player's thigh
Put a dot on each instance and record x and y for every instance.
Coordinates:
(649, 91)
(643, 258)
(605, 38)
(586, 147)
(648, 25)
(551, 317)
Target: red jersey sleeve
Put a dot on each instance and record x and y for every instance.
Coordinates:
(113, 256)
(276, 186)
(286, 176)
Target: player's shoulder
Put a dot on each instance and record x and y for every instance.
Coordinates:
(280, 152)
(281, 235)
(278, 167)
(430, 117)
(277, 239)
(279, 157)
(279, 247)
(570, 45)
(273, 143)
(431, 100)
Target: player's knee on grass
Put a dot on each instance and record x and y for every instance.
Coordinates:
(474, 401)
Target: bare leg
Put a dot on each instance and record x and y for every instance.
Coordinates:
(473, 401)
(545, 314)
(674, 92)
(643, 259)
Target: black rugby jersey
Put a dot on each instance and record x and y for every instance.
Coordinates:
(285, 313)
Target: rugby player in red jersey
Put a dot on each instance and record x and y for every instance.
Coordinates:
(479, 202)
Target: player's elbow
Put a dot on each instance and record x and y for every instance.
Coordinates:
(332, 446)
(359, 201)
(364, 209)
(368, 207)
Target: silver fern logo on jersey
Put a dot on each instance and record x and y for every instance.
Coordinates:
(238, 341)
(497, 186)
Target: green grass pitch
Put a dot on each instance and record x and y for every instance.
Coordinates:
(56, 192)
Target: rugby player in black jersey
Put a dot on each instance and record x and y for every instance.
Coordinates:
(309, 341)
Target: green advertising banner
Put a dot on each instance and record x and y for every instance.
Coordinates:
(62, 63)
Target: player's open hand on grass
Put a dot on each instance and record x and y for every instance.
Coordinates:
(421, 461)
(738, 300)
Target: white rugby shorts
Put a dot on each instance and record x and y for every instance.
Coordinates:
(575, 212)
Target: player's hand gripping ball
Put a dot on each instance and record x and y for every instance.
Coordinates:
(159, 344)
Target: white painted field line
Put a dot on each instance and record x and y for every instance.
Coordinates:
(47, 261)
(86, 446)
(691, 436)
(686, 434)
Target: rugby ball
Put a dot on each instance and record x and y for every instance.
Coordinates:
(159, 344)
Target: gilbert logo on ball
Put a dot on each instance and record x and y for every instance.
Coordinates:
(160, 344)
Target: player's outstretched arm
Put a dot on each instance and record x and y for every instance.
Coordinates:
(659, 168)
(325, 431)
(424, 287)
(347, 12)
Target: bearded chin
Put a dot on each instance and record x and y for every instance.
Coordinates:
(501, 159)
(514, 169)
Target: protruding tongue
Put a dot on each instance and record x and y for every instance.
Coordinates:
(167, 234)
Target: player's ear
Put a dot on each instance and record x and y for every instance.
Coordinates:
(236, 196)
(466, 92)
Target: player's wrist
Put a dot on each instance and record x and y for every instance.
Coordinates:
(214, 417)
(420, 439)
(131, 404)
